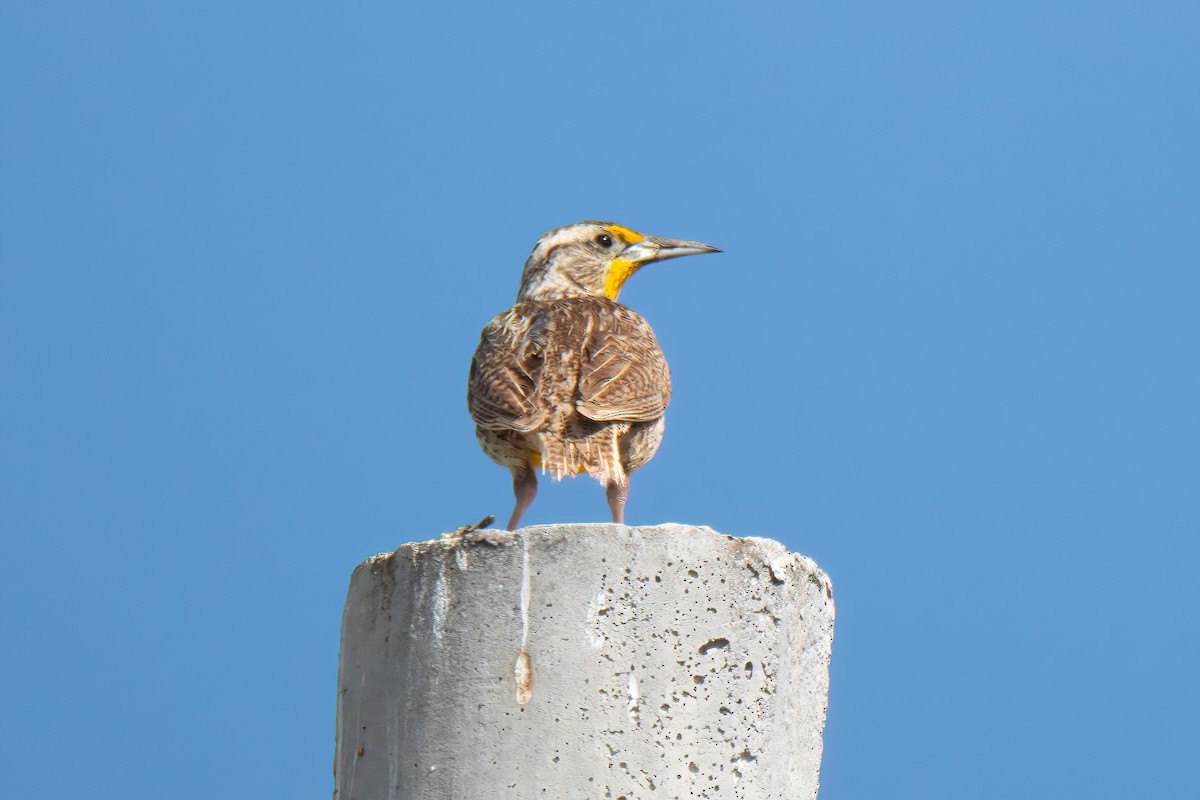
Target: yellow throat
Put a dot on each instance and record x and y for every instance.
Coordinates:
(619, 270)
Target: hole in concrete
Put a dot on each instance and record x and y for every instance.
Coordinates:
(719, 643)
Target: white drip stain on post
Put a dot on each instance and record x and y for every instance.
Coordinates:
(441, 603)
(523, 669)
(635, 697)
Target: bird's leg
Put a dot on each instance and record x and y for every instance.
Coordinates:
(524, 489)
(616, 494)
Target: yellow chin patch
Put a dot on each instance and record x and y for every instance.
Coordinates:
(624, 234)
(619, 270)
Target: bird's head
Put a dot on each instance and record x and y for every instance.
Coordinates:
(594, 258)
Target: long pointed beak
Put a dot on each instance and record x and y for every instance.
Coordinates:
(657, 248)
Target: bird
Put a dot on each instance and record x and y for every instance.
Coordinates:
(569, 380)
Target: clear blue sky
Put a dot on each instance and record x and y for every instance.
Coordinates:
(952, 352)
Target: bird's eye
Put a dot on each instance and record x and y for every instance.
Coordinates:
(604, 240)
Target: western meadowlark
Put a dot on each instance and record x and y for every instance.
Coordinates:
(568, 379)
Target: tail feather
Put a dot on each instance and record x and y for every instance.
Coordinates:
(596, 455)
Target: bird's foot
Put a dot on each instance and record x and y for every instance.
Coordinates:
(465, 529)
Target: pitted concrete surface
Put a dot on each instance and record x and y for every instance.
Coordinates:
(584, 661)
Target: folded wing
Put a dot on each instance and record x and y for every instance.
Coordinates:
(505, 372)
(623, 375)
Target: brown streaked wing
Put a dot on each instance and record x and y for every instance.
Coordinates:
(502, 384)
(624, 375)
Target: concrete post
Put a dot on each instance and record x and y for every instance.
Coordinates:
(583, 661)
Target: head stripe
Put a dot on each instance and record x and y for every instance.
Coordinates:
(624, 234)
